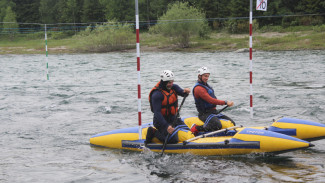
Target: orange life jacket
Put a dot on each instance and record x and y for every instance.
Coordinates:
(169, 105)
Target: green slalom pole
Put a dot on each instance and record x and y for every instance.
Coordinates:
(47, 61)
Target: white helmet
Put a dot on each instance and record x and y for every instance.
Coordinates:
(167, 75)
(203, 70)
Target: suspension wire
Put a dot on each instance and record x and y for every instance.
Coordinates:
(62, 27)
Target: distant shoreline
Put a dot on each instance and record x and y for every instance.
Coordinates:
(268, 41)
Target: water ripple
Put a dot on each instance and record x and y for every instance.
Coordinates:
(46, 124)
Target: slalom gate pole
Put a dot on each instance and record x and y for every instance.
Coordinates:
(46, 52)
(138, 66)
(251, 56)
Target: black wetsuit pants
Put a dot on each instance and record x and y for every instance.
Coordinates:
(162, 133)
(212, 121)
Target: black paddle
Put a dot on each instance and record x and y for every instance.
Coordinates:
(222, 109)
(173, 124)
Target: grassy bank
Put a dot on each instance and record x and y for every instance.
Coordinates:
(270, 39)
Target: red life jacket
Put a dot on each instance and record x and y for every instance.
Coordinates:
(169, 105)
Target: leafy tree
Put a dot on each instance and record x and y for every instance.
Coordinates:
(3, 8)
(27, 12)
(181, 21)
(73, 11)
(63, 10)
(310, 7)
(48, 11)
(120, 10)
(92, 11)
(221, 8)
(68, 12)
(157, 8)
(239, 8)
(213, 9)
(12, 25)
(123, 10)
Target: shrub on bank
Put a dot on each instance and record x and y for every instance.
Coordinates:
(237, 26)
(110, 36)
(180, 23)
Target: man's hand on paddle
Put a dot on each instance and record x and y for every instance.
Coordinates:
(187, 90)
(170, 129)
(230, 103)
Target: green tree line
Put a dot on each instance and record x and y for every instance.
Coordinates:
(86, 11)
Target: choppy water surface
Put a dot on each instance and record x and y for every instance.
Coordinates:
(45, 126)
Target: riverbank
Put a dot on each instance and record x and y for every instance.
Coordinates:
(263, 41)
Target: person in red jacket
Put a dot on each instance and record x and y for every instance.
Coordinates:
(206, 102)
(164, 104)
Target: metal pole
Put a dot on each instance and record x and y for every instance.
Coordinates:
(138, 66)
(251, 55)
(46, 52)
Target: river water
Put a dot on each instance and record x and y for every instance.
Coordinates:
(45, 125)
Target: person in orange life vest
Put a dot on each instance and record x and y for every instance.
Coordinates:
(206, 102)
(164, 105)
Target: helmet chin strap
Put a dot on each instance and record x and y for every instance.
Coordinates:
(200, 78)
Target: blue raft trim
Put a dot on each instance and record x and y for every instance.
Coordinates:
(287, 131)
(300, 121)
(252, 131)
(233, 144)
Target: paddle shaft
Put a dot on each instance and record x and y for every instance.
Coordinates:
(173, 124)
(222, 109)
(211, 133)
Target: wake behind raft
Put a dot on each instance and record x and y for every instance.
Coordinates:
(286, 134)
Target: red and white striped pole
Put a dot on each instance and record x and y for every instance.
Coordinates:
(47, 55)
(138, 66)
(251, 55)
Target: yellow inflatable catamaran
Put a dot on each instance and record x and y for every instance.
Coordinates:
(286, 134)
